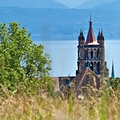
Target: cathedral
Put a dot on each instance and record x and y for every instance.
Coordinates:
(91, 52)
(91, 63)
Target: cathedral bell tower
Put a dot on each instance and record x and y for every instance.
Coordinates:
(91, 53)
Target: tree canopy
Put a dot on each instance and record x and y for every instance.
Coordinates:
(20, 59)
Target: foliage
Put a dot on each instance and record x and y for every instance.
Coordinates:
(22, 63)
(32, 107)
(115, 83)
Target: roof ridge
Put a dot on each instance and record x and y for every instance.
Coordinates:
(93, 72)
(86, 69)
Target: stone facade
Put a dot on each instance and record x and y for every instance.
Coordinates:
(91, 64)
(91, 53)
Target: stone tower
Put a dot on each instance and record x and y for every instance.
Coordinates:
(91, 53)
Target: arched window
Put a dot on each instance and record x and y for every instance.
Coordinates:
(86, 64)
(86, 54)
(91, 66)
(94, 54)
(91, 54)
(95, 67)
(98, 67)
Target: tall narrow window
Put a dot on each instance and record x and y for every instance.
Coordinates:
(86, 64)
(94, 54)
(91, 54)
(98, 67)
(91, 66)
(95, 67)
(86, 54)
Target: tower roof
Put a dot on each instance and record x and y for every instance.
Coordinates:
(90, 36)
(81, 35)
(100, 35)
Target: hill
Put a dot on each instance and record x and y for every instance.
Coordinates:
(114, 6)
(63, 24)
(32, 4)
(95, 3)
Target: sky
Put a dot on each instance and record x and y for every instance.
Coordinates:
(72, 3)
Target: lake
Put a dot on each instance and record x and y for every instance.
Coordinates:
(64, 56)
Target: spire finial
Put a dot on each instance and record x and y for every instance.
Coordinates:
(90, 17)
(90, 21)
(81, 30)
(101, 31)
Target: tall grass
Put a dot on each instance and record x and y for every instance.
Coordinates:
(104, 105)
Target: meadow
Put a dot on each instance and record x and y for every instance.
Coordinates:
(103, 104)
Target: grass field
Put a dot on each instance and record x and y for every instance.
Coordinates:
(34, 107)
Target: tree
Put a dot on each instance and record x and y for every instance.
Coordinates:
(20, 59)
(115, 83)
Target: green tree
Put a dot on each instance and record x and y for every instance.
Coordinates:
(20, 59)
(115, 83)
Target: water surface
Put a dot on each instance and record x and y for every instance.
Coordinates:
(64, 56)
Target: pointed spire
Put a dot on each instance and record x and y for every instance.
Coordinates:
(81, 35)
(90, 36)
(112, 73)
(99, 34)
(100, 37)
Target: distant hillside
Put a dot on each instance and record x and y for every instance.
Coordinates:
(32, 4)
(112, 5)
(94, 3)
(63, 24)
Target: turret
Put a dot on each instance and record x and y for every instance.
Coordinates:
(100, 37)
(100, 40)
(81, 38)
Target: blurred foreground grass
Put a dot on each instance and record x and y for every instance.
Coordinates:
(34, 107)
